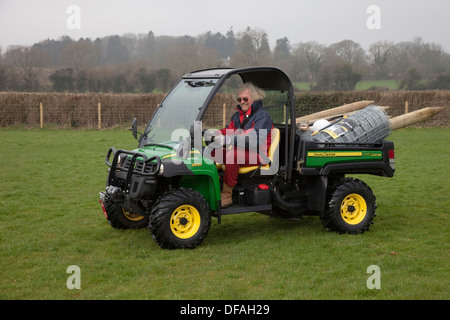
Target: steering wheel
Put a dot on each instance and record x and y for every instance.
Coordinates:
(211, 135)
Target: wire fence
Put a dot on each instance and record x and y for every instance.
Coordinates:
(94, 110)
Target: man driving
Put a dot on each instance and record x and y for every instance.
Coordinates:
(247, 137)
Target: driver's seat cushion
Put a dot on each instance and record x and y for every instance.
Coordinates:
(271, 153)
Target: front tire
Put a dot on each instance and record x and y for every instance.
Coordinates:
(351, 207)
(120, 218)
(180, 219)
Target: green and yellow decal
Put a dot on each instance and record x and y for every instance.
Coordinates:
(317, 159)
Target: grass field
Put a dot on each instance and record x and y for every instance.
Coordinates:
(50, 219)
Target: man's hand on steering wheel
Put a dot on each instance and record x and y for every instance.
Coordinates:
(215, 136)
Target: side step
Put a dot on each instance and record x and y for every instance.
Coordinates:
(235, 209)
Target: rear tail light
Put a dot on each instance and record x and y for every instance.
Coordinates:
(392, 159)
(103, 208)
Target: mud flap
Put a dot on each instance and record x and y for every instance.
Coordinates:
(317, 192)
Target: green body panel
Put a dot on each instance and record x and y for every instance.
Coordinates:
(318, 159)
(197, 172)
(206, 186)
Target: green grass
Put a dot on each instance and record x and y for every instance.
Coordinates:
(50, 219)
(365, 85)
(304, 86)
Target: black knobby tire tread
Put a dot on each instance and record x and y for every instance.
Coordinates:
(162, 210)
(117, 219)
(331, 219)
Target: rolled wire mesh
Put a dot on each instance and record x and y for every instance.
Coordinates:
(369, 125)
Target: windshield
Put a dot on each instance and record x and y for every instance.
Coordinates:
(173, 119)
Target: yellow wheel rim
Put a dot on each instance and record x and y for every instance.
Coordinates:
(185, 221)
(132, 216)
(353, 209)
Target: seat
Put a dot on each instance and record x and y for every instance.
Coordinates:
(275, 142)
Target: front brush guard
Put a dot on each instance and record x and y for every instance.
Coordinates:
(130, 170)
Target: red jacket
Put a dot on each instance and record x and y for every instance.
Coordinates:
(251, 126)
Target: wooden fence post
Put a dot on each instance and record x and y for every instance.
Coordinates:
(406, 107)
(99, 115)
(224, 115)
(41, 114)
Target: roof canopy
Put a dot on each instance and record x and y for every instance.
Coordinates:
(266, 78)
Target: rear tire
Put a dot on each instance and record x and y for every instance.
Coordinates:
(180, 219)
(350, 208)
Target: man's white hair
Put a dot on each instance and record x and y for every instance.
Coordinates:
(255, 92)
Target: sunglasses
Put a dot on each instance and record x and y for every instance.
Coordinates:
(240, 99)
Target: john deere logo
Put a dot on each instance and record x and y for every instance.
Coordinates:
(372, 154)
(334, 154)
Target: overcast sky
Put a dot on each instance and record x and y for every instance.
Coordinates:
(325, 21)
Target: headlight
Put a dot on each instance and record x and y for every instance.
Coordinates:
(161, 169)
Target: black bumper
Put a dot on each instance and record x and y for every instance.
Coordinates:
(135, 174)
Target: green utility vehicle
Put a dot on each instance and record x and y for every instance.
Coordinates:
(170, 185)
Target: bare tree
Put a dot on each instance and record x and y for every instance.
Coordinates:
(28, 63)
(379, 55)
(81, 54)
(432, 58)
(349, 51)
(3, 73)
(191, 56)
(312, 56)
(252, 48)
(428, 59)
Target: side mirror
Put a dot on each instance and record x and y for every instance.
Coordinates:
(134, 128)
